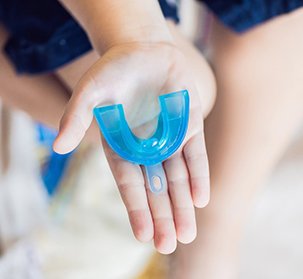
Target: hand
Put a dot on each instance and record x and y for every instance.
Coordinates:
(135, 74)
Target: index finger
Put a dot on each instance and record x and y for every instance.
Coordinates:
(130, 182)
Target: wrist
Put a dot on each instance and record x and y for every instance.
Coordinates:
(115, 22)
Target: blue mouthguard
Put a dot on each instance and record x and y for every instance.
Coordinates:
(151, 152)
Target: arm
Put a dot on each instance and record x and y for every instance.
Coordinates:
(114, 22)
(140, 61)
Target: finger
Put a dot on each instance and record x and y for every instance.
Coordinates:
(197, 163)
(180, 194)
(130, 182)
(164, 227)
(77, 117)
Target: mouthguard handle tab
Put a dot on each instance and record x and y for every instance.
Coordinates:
(156, 178)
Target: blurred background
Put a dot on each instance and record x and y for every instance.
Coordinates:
(62, 217)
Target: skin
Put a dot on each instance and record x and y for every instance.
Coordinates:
(43, 97)
(148, 219)
(144, 49)
(258, 110)
(248, 130)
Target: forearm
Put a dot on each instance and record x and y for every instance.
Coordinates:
(41, 97)
(114, 22)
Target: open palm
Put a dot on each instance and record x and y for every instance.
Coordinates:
(135, 75)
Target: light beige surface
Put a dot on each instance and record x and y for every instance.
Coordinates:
(90, 236)
(85, 233)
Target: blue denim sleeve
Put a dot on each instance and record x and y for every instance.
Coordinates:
(44, 36)
(241, 15)
(170, 9)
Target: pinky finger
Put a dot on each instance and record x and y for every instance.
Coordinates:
(197, 163)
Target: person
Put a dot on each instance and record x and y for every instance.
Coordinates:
(140, 52)
(147, 51)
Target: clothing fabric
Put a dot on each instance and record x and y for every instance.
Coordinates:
(44, 36)
(241, 15)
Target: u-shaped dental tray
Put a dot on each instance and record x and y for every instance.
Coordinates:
(151, 152)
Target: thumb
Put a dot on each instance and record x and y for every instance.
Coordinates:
(76, 120)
